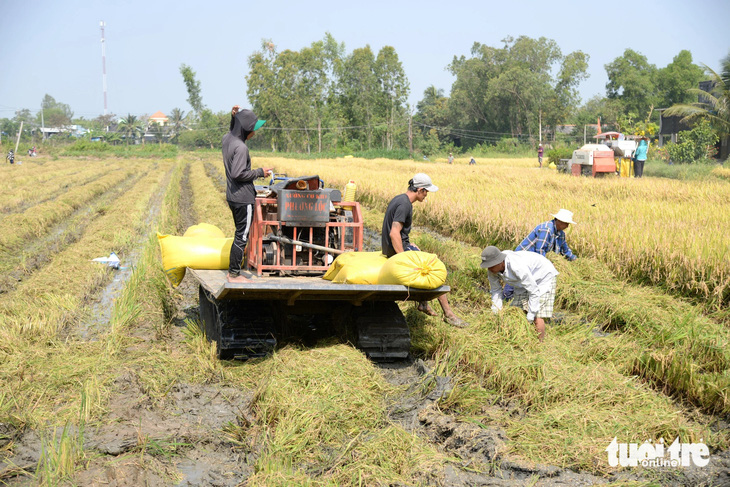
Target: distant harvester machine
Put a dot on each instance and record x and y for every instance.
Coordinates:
(592, 159)
(609, 157)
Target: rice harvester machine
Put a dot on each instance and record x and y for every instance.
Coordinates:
(612, 155)
(297, 230)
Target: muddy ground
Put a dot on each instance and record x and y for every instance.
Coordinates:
(180, 440)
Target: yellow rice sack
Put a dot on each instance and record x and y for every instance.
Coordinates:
(416, 269)
(178, 253)
(356, 268)
(204, 230)
(364, 270)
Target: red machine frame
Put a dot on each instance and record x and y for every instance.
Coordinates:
(260, 228)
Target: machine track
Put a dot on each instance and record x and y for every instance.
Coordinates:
(241, 329)
(382, 331)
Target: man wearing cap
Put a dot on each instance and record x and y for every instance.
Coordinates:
(546, 237)
(533, 277)
(397, 227)
(550, 235)
(240, 190)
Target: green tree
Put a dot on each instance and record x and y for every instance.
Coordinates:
(102, 122)
(267, 91)
(675, 81)
(432, 111)
(394, 90)
(193, 87)
(713, 105)
(508, 90)
(177, 123)
(130, 127)
(55, 114)
(632, 81)
(694, 145)
(358, 88)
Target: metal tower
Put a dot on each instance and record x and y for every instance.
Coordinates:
(103, 62)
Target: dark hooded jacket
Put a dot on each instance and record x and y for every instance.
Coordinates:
(237, 162)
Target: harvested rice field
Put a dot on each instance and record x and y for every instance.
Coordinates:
(107, 379)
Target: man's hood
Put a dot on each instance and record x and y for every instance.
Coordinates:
(244, 123)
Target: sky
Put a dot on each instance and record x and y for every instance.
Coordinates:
(54, 46)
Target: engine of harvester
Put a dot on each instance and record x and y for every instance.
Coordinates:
(299, 227)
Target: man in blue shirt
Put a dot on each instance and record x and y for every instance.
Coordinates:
(546, 237)
(550, 235)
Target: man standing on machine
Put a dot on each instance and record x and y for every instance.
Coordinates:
(240, 190)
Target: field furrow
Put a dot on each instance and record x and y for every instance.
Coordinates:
(40, 191)
(210, 199)
(43, 304)
(16, 266)
(17, 228)
(31, 170)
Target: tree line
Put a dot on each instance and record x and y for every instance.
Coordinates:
(322, 98)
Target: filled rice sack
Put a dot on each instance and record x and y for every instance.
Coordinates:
(204, 230)
(356, 268)
(179, 253)
(362, 271)
(417, 269)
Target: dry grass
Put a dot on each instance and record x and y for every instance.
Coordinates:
(658, 231)
(320, 413)
(33, 222)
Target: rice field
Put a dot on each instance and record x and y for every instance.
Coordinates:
(106, 375)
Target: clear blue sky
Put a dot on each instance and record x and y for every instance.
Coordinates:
(53, 46)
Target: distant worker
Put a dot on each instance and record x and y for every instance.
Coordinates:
(472, 162)
(640, 157)
(451, 158)
(533, 277)
(546, 237)
(240, 190)
(539, 154)
(395, 236)
(11, 156)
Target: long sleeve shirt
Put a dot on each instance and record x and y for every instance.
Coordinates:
(545, 238)
(523, 270)
(239, 175)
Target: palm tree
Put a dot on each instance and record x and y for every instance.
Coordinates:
(159, 130)
(177, 117)
(713, 104)
(130, 127)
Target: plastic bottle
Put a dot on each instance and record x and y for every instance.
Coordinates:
(349, 195)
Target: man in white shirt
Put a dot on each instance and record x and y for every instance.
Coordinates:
(533, 276)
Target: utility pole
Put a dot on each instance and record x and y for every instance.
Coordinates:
(410, 135)
(103, 62)
(539, 126)
(17, 141)
(584, 134)
(43, 124)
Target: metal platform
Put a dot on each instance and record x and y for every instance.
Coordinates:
(293, 289)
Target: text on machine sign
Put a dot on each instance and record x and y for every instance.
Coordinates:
(655, 455)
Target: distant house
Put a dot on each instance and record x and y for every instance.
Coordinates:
(670, 126)
(77, 130)
(159, 118)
